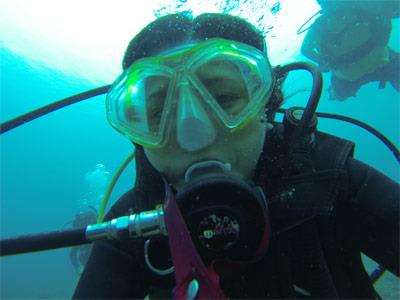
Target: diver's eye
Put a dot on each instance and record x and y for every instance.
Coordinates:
(155, 104)
(155, 114)
(226, 99)
(132, 115)
(231, 103)
(157, 98)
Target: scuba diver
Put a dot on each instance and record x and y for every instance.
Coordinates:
(350, 40)
(80, 254)
(255, 208)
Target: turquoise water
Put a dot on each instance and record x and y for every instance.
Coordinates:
(44, 163)
(43, 168)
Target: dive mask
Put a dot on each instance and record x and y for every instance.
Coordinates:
(190, 90)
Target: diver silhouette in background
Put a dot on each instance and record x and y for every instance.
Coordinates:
(350, 40)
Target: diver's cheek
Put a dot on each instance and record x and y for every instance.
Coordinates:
(250, 148)
(168, 164)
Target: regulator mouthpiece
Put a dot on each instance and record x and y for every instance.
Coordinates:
(204, 168)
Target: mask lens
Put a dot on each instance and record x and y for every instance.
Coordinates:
(156, 89)
(136, 106)
(237, 83)
(224, 81)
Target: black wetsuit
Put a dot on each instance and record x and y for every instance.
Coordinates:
(353, 209)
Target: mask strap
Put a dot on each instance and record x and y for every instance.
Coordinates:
(189, 268)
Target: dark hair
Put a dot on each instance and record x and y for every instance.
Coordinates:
(173, 30)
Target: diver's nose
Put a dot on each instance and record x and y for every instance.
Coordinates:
(195, 130)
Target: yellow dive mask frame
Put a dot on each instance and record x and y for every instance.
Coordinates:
(218, 82)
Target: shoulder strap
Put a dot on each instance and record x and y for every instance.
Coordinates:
(331, 152)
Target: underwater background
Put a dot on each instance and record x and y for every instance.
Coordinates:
(54, 167)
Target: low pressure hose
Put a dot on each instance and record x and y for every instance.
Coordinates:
(299, 154)
(315, 94)
(144, 224)
(37, 113)
(43, 241)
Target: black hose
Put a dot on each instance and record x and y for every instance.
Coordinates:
(315, 94)
(11, 124)
(392, 148)
(313, 101)
(42, 241)
(372, 130)
(298, 158)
